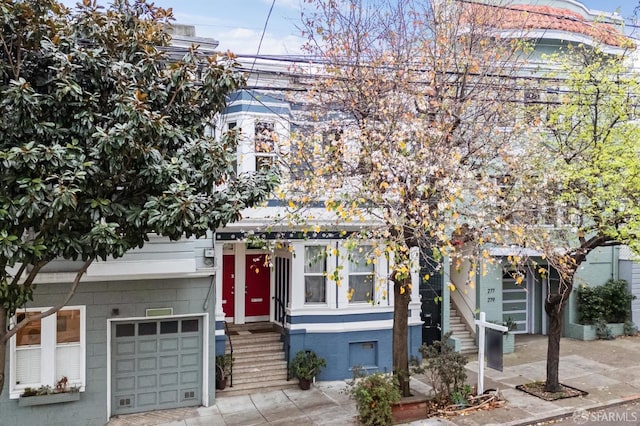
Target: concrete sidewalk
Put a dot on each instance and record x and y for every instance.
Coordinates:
(608, 370)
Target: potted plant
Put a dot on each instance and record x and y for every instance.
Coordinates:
(305, 366)
(224, 363)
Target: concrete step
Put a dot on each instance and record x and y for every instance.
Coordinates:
(245, 366)
(256, 387)
(257, 349)
(256, 358)
(259, 377)
(255, 339)
(455, 327)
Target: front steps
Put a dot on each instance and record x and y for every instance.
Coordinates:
(259, 363)
(460, 331)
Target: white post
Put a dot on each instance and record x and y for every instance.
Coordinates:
(482, 324)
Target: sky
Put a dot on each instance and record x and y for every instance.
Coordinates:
(238, 24)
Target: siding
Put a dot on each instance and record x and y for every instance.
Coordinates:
(131, 298)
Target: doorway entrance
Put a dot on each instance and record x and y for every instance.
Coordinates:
(246, 274)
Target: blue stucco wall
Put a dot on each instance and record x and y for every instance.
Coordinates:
(131, 298)
(342, 350)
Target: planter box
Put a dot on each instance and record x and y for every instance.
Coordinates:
(410, 409)
(588, 332)
(53, 398)
(508, 343)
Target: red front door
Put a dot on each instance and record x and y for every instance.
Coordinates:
(228, 284)
(257, 282)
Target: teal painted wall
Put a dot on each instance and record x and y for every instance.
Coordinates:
(185, 296)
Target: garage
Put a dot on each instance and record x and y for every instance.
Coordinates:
(156, 364)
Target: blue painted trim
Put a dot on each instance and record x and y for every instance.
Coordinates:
(339, 317)
(219, 325)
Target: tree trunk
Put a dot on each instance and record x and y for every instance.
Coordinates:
(3, 345)
(400, 333)
(554, 312)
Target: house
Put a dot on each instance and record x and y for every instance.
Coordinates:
(138, 335)
(516, 296)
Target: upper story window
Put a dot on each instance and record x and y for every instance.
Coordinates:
(315, 274)
(265, 151)
(361, 275)
(46, 351)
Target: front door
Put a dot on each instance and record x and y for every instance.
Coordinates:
(257, 287)
(228, 285)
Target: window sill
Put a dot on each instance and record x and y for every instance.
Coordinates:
(53, 398)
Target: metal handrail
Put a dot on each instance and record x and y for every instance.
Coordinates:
(226, 332)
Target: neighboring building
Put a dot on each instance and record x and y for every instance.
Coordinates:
(550, 25)
(138, 334)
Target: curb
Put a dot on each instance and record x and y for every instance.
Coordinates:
(568, 412)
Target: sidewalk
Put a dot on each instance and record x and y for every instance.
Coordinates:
(608, 370)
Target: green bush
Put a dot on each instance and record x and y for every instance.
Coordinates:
(444, 368)
(374, 396)
(611, 302)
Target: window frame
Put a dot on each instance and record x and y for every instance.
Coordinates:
(264, 144)
(367, 249)
(48, 346)
(323, 274)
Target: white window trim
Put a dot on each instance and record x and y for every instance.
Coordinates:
(324, 274)
(48, 350)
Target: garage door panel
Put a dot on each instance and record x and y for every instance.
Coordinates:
(150, 381)
(168, 362)
(147, 399)
(188, 377)
(168, 345)
(125, 348)
(189, 360)
(148, 346)
(124, 366)
(147, 363)
(169, 396)
(156, 364)
(170, 379)
(126, 383)
(187, 343)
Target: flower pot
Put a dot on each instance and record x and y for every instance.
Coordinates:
(221, 383)
(305, 384)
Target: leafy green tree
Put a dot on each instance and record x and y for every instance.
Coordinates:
(585, 165)
(104, 139)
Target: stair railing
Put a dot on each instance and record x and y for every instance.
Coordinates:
(226, 332)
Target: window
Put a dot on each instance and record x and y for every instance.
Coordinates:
(315, 271)
(361, 271)
(46, 350)
(264, 145)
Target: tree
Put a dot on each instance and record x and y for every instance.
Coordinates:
(104, 139)
(585, 164)
(590, 151)
(409, 99)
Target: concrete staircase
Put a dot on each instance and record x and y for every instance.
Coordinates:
(460, 331)
(259, 363)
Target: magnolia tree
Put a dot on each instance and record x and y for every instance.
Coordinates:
(403, 133)
(585, 171)
(104, 139)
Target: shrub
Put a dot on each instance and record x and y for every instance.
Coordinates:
(630, 328)
(611, 302)
(444, 368)
(374, 396)
(602, 330)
